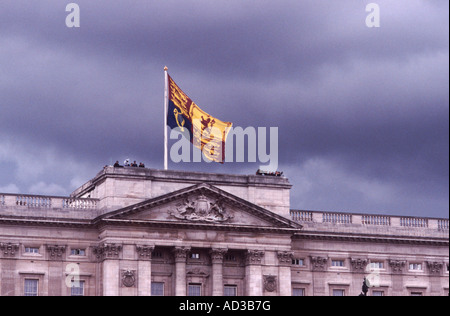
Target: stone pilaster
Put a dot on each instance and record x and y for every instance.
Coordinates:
(180, 256)
(397, 267)
(217, 270)
(253, 272)
(8, 268)
(145, 269)
(109, 255)
(319, 266)
(285, 278)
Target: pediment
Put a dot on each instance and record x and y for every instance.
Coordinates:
(203, 205)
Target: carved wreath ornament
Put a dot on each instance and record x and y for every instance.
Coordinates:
(128, 278)
(201, 210)
(270, 283)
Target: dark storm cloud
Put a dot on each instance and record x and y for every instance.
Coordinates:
(362, 112)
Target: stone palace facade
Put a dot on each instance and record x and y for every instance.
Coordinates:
(137, 231)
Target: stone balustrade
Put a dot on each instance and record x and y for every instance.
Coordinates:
(46, 202)
(369, 220)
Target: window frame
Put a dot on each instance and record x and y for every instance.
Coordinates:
(73, 252)
(302, 289)
(338, 289)
(25, 287)
(34, 250)
(415, 266)
(195, 285)
(298, 262)
(230, 286)
(194, 256)
(341, 265)
(158, 283)
(83, 287)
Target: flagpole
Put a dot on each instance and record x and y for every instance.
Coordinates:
(166, 105)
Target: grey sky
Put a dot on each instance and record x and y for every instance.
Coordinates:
(363, 113)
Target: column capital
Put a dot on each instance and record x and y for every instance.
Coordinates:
(359, 264)
(319, 263)
(397, 266)
(217, 255)
(254, 257)
(56, 252)
(435, 268)
(144, 252)
(180, 253)
(107, 251)
(9, 250)
(285, 258)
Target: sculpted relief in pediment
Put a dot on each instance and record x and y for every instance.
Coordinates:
(201, 209)
(202, 205)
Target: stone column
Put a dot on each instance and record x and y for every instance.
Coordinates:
(285, 263)
(253, 272)
(144, 270)
(108, 255)
(217, 270)
(180, 255)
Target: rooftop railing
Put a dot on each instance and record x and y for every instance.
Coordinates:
(336, 218)
(46, 202)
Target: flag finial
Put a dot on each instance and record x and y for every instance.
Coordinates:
(165, 68)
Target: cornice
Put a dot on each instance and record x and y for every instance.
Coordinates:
(392, 239)
(95, 224)
(52, 222)
(198, 226)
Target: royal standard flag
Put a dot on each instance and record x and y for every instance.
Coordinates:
(207, 133)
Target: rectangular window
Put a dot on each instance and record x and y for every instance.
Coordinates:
(416, 294)
(157, 289)
(298, 262)
(415, 266)
(195, 256)
(231, 258)
(31, 250)
(338, 292)
(298, 292)
(230, 290)
(31, 287)
(195, 290)
(77, 290)
(78, 252)
(377, 265)
(157, 254)
(378, 293)
(337, 263)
